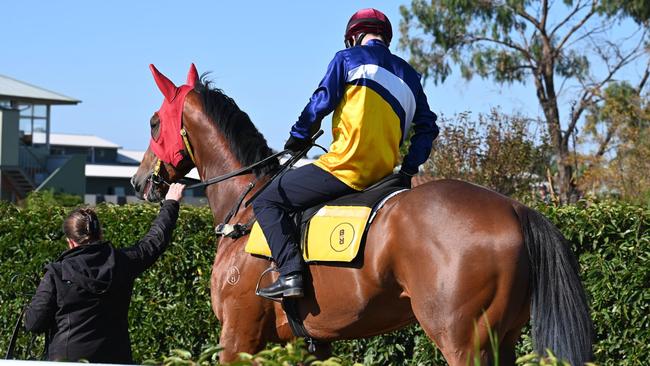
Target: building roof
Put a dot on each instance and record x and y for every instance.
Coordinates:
(122, 171)
(73, 140)
(129, 156)
(19, 91)
(110, 171)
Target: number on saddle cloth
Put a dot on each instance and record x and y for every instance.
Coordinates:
(335, 230)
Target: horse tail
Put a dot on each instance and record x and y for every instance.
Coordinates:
(559, 311)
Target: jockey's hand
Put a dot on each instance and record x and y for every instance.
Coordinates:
(404, 179)
(175, 192)
(296, 145)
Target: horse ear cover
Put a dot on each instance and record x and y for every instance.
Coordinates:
(166, 86)
(192, 76)
(169, 145)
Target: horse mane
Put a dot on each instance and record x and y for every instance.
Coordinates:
(248, 144)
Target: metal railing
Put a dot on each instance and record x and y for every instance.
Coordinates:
(31, 164)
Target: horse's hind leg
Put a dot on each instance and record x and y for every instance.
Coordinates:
(468, 347)
(507, 354)
(464, 319)
(323, 351)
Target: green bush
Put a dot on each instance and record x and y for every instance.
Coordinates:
(171, 302)
(613, 242)
(295, 353)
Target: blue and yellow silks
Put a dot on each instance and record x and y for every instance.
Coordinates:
(376, 97)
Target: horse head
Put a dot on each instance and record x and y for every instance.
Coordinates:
(169, 156)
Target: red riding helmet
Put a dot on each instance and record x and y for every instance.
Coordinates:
(367, 21)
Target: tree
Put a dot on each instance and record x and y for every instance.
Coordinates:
(623, 109)
(504, 153)
(551, 43)
(619, 128)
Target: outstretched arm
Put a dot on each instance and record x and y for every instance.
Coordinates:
(153, 244)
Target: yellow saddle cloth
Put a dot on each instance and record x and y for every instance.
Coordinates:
(333, 234)
(335, 231)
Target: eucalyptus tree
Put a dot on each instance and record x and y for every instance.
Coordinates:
(566, 49)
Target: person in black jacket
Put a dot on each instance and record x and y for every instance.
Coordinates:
(84, 296)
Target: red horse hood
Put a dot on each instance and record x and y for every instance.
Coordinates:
(169, 144)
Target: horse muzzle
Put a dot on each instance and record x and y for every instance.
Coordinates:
(154, 188)
(148, 189)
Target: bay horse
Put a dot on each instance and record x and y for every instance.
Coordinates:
(461, 260)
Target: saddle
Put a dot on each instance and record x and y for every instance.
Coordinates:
(334, 231)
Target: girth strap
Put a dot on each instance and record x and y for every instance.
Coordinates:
(290, 307)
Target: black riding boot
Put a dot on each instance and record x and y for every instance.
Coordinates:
(286, 286)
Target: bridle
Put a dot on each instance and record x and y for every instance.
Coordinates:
(155, 178)
(236, 230)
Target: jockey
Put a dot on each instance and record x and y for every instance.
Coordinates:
(376, 96)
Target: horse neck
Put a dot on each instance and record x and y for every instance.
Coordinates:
(214, 157)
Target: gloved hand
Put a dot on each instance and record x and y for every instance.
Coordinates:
(404, 179)
(296, 145)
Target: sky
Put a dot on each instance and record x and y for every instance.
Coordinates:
(267, 55)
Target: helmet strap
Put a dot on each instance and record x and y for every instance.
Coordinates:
(359, 38)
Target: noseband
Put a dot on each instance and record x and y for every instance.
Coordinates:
(155, 178)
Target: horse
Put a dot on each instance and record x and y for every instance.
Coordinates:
(466, 263)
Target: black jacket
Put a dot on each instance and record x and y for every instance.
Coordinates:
(84, 297)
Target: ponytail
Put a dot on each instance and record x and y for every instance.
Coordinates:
(82, 226)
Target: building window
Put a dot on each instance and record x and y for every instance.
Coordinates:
(57, 150)
(101, 155)
(33, 118)
(119, 191)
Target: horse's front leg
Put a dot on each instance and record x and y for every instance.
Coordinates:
(243, 329)
(247, 321)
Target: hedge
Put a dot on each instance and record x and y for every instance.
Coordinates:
(171, 302)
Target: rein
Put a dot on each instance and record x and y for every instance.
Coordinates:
(242, 171)
(237, 230)
(157, 179)
(288, 164)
